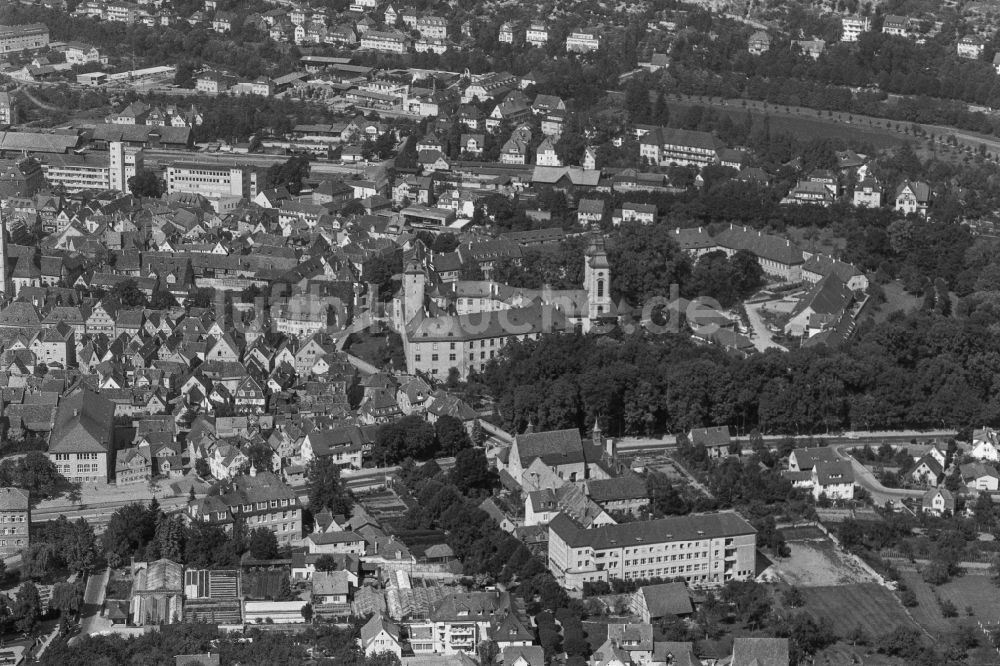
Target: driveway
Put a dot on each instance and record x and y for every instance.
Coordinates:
(866, 479)
(761, 335)
(93, 600)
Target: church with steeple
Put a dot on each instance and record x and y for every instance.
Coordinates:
(451, 324)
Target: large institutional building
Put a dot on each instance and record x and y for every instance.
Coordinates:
(214, 181)
(706, 550)
(498, 314)
(94, 170)
(30, 37)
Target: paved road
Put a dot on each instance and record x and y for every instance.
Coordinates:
(761, 335)
(93, 599)
(864, 478)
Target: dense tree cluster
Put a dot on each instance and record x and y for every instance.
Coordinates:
(59, 546)
(289, 174)
(146, 533)
(33, 472)
(413, 437)
(917, 370)
(325, 489)
(322, 645)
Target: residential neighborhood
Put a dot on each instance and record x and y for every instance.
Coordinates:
(477, 334)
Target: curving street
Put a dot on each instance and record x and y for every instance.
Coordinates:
(866, 479)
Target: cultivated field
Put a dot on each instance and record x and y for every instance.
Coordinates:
(979, 592)
(927, 613)
(844, 607)
(816, 562)
(842, 654)
(383, 504)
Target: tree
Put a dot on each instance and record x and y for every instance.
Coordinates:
(352, 208)
(208, 546)
(325, 488)
(471, 471)
(936, 573)
(145, 183)
(307, 613)
(27, 607)
(646, 261)
(384, 658)
(793, 597)
(487, 650)
(954, 479)
(128, 293)
(808, 636)
(79, 547)
(664, 498)
(289, 174)
(202, 469)
(39, 560)
(162, 300)
(479, 435)
(451, 435)
(130, 529)
(184, 74)
(34, 472)
(169, 537)
(261, 456)
(408, 437)
(326, 562)
(906, 642)
(202, 297)
(67, 598)
(263, 544)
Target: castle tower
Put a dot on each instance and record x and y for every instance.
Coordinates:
(414, 282)
(597, 280)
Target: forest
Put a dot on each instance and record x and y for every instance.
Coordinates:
(921, 370)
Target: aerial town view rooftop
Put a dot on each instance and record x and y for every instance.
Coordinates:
(480, 333)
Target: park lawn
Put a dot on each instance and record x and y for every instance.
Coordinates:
(844, 607)
(896, 300)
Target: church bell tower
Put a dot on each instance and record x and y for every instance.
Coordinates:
(597, 280)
